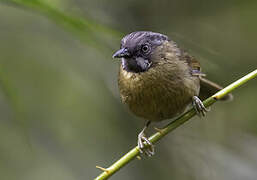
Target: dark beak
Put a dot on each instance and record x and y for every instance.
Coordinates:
(121, 53)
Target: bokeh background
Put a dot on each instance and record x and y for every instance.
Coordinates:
(60, 112)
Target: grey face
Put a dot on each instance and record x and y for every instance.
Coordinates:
(137, 49)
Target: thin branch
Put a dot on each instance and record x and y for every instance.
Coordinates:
(132, 154)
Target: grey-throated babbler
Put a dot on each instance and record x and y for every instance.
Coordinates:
(158, 80)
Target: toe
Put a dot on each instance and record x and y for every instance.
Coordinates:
(199, 107)
(145, 146)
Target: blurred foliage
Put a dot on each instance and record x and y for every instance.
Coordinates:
(87, 30)
(60, 110)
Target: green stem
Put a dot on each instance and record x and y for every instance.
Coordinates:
(132, 154)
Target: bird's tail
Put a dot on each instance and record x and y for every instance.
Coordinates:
(208, 88)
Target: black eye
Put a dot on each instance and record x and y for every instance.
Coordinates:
(145, 48)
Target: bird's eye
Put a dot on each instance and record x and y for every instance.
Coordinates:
(145, 48)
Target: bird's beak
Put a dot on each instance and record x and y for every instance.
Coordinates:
(121, 53)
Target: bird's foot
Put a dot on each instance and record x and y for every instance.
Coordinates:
(144, 145)
(199, 107)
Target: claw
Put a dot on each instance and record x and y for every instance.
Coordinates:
(147, 141)
(199, 107)
(144, 145)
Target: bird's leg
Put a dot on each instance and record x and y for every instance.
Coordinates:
(199, 106)
(144, 145)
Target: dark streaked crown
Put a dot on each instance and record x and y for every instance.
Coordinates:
(141, 37)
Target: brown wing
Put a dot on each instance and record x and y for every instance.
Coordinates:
(207, 87)
(193, 64)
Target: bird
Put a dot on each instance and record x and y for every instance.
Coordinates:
(158, 80)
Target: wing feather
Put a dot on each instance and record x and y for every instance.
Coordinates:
(207, 87)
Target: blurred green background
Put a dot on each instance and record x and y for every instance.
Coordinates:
(59, 103)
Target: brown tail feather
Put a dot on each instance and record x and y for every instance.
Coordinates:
(208, 88)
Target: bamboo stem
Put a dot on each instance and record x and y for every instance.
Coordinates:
(133, 153)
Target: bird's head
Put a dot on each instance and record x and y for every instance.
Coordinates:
(138, 49)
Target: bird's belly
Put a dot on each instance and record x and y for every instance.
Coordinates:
(156, 108)
(157, 100)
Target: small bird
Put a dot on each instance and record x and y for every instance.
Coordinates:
(158, 80)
